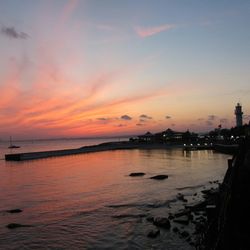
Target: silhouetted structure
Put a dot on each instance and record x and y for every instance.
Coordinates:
(229, 229)
(168, 136)
(238, 113)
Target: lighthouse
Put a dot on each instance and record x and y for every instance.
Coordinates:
(238, 113)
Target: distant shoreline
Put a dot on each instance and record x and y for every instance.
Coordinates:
(107, 146)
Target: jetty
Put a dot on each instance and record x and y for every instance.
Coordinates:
(87, 149)
(64, 152)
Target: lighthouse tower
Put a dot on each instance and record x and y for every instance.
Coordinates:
(238, 113)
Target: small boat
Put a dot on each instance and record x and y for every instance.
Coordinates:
(12, 145)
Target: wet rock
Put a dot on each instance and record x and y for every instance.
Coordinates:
(200, 205)
(159, 177)
(150, 218)
(122, 216)
(212, 191)
(199, 227)
(137, 174)
(162, 222)
(182, 220)
(191, 217)
(180, 197)
(13, 211)
(153, 233)
(184, 234)
(16, 225)
(170, 217)
(182, 212)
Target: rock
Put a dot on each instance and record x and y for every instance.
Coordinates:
(182, 219)
(136, 174)
(170, 217)
(182, 212)
(199, 227)
(200, 205)
(16, 225)
(153, 233)
(180, 197)
(150, 218)
(13, 211)
(159, 177)
(191, 217)
(162, 222)
(176, 229)
(184, 234)
(212, 191)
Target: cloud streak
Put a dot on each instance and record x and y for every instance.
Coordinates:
(12, 33)
(144, 32)
(145, 117)
(126, 117)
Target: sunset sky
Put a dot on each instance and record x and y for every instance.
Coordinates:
(82, 68)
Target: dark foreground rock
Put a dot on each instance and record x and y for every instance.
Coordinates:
(162, 222)
(16, 225)
(159, 177)
(153, 233)
(14, 211)
(137, 174)
(184, 219)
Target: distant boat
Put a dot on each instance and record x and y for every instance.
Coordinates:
(12, 145)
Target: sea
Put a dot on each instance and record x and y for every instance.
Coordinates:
(89, 201)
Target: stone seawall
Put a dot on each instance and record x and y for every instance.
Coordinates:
(229, 228)
(87, 149)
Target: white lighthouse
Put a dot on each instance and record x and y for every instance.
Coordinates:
(238, 113)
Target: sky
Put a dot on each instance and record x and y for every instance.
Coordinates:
(90, 68)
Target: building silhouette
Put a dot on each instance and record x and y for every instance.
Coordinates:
(238, 114)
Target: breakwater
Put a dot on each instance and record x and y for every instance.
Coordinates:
(229, 149)
(64, 152)
(87, 149)
(228, 227)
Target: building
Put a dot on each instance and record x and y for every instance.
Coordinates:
(238, 113)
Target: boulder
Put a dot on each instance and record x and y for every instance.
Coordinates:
(13, 211)
(184, 234)
(159, 177)
(150, 218)
(136, 174)
(182, 219)
(182, 212)
(162, 222)
(153, 233)
(16, 225)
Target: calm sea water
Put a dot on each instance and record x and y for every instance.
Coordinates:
(88, 201)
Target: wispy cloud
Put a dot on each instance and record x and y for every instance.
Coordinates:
(212, 117)
(126, 117)
(150, 31)
(145, 117)
(12, 33)
(102, 119)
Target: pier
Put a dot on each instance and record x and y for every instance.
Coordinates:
(64, 152)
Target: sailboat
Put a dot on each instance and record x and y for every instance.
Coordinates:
(12, 145)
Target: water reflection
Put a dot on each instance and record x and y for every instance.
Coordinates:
(69, 199)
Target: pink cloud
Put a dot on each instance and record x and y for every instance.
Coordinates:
(150, 31)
